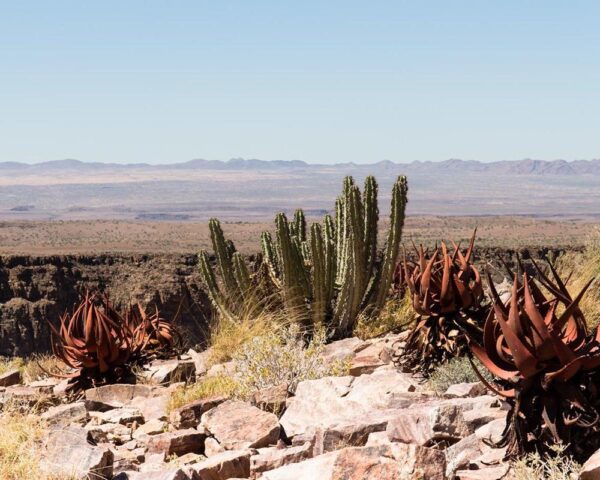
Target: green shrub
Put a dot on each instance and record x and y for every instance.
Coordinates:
(458, 370)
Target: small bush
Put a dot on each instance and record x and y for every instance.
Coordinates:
(281, 357)
(458, 370)
(269, 360)
(396, 315)
(552, 467)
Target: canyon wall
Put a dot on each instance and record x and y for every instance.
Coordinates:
(36, 289)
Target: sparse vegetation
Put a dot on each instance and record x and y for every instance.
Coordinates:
(269, 360)
(581, 267)
(397, 315)
(457, 370)
(557, 466)
(20, 437)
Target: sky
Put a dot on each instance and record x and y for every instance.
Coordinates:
(320, 81)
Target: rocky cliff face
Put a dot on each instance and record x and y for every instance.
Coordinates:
(36, 289)
(33, 289)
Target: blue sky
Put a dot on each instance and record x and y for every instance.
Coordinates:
(321, 81)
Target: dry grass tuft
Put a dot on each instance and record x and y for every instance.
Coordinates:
(397, 315)
(20, 437)
(206, 387)
(255, 319)
(40, 366)
(583, 267)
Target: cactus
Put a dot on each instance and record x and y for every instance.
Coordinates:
(235, 276)
(335, 276)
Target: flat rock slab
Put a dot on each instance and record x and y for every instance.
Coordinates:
(401, 462)
(118, 395)
(222, 466)
(238, 425)
(273, 457)
(347, 409)
(66, 414)
(178, 442)
(9, 378)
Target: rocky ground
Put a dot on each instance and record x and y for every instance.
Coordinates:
(375, 423)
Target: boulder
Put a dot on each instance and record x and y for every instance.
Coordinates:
(368, 359)
(188, 416)
(273, 457)
(166, 372)
(66, 414)
(460, 454)
(178, 442)
(343, 349)
(212, 447)
(346, 409)
(225, 465)
(116, 395)
(67, 453)
(152, 408)
(124, 416)
(396, 462)
(239, 425)
(271, 399)
(153, 427)
(462, 390)
(10, 377)
(591, 468)
(426, 425)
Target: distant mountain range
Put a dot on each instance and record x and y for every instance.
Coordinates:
(454, 166)
(250, 189)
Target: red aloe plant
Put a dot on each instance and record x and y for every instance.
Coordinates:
(150, 334)
(546, 365)
(447, 295)
(92, 340)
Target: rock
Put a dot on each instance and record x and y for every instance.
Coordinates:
(188, 416)
(165, 372)
(11, 377)
(178, 442)
(482, 416)
(200, 360)
(377, 439)
(153, 427)
(239, 425)
(488, 473)
(125, 459)
(367, 360)
(271, 399)
(346, 409)
(343, 349)
(109, 432)
(66, 452)
(491, 431)
(162, 474)
(427, 424)
(124, 416)
(397, 462)
(591, 468)
(66, 414)
(273, 457)
(212, 447)
(189, 459)
(116, 395)
(153, 408)
(462, 390)
(226, 465)
(461, 453)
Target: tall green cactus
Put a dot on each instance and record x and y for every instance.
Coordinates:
(236, 280)
(335, 274)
